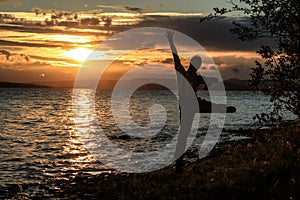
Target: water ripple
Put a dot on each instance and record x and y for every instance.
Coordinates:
(39, 144)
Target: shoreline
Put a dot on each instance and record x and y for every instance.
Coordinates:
(266, 166)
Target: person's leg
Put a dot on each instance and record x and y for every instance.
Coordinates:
(185, 128)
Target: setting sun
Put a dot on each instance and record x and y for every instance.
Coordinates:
(79, 54)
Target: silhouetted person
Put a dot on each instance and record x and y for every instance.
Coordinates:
(187, 111)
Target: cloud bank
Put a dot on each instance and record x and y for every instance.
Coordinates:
(37, 44)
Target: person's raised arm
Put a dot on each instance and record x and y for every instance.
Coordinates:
(177, 62)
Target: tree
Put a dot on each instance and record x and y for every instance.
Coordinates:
(279, 74)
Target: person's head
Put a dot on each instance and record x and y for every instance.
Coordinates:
(195, 63)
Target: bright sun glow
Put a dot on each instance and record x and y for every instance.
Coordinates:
(70, 38)
(79, 54)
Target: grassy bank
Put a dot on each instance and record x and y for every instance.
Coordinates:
(264, 167)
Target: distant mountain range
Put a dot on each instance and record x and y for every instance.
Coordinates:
(236, 84)
(21, 85)
(230, 84)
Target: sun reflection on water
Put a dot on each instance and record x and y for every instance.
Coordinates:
(77, 152)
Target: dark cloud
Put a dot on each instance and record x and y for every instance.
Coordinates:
(38, 28)
(236, 70)
(214, 35)
(234, 61)
(167, 61)
(25, 44)
(235, 66)
(37, 11)
(6, 53)
(133, 9)
(122, 8)
(14, 57)
(51, 59)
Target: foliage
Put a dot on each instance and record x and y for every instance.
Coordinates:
(279, 75)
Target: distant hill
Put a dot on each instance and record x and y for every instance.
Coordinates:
(20, 85)
(56, 84)
(230, 84)
(236, 84)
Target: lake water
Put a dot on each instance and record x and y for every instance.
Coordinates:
(39, 143)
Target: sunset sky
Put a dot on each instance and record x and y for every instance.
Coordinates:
(47, 41)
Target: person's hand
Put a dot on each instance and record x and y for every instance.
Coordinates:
(169, 35)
